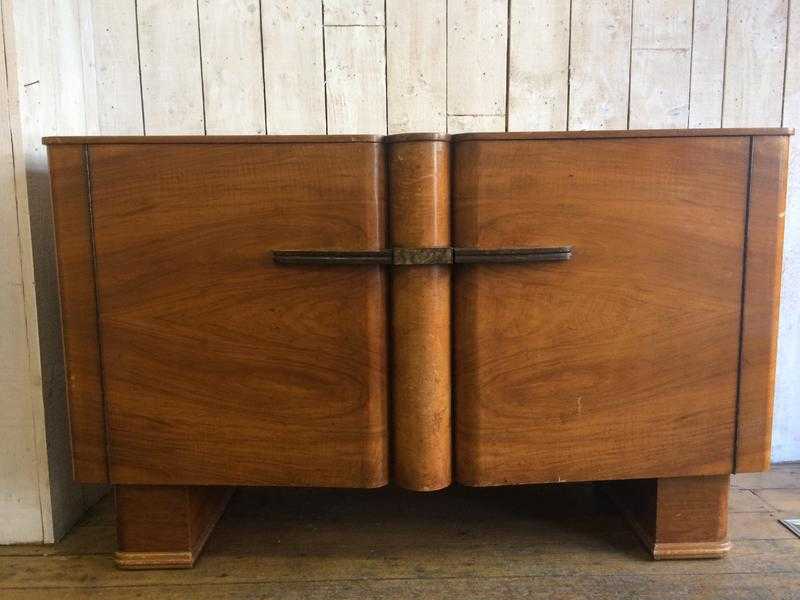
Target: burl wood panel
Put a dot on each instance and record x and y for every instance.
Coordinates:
(74, 254)
(165, 527)
(677, 517)
(621, 362)
(221, 367)
(419, 189)
(762, 289)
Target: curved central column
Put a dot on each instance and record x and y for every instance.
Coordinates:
(419, 217)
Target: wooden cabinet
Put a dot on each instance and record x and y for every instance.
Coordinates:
(543, 308)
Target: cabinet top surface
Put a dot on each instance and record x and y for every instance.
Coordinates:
(410, 137)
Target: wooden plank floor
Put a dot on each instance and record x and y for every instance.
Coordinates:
(529, 542)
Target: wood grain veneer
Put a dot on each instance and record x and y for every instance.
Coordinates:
(677, 517)
(75, 259)
(621, 362)
(220, 366)
(165, 527)
(761, 300)
(419, 186)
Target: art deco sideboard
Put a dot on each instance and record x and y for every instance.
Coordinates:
(487, 309)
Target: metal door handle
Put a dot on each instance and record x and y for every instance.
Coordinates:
(421, 256)
(332, 257)
(511, 255)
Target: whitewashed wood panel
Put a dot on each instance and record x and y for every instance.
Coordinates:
(21, 518)
(791, 96)
(52, 98)
(786, 435)
(89, 68)
(356, 79)
(169, 50)
(708, 63)
(600, 61)
(355, 12)
(661, 49)
(539, 63)
(233, 83)
(473, 123)
(294, 66)
(476, 57)
(34, 70)
(416, 49)
(66, 56)
(116, 72)
(754, 66)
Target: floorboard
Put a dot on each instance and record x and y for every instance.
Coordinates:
(517, 542)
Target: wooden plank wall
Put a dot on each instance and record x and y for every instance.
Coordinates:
(21, 408)
(375, 66)
(40, 499)
(391, 66)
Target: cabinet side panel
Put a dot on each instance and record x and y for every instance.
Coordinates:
(73, 232)
(762, 284)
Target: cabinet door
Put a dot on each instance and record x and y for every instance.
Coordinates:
(219, 366)
(621, 362)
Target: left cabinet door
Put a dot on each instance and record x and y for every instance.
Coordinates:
(219, 366)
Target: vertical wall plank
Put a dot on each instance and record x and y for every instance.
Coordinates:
(233, 86)
(708, 63)
(355, 12)
(475, 123)
(49, 88)
(600, 64)
(170, 57)
(476, 58)
(356, 79)
(293, 66)
(786, 435)
(416, 48)
(754, 65)
(116, 59)
(660, 64)
(21, 518)
(89, 67)
(66, 56)
(539, 62)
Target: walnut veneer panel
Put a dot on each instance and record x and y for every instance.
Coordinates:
(221, 367)
(73, 230)
(621, 362)
(762, 291)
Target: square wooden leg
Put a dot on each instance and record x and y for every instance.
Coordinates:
(677, 517)
(165, 527)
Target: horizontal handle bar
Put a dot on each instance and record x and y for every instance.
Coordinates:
(511, 255)
(421, 256)
(332, 257)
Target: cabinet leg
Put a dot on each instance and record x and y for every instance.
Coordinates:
(165, 527)
(677, 517)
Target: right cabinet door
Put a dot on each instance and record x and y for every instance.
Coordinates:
(621, 362)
